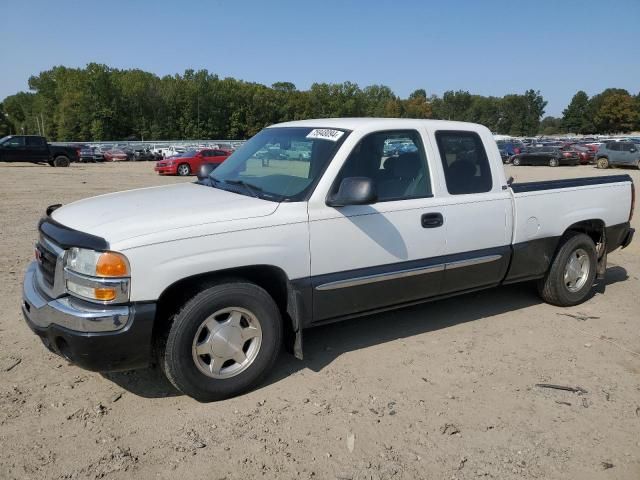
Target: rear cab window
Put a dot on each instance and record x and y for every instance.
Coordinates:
(35, 142)
(464, 161)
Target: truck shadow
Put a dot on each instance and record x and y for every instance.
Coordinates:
(324, 344)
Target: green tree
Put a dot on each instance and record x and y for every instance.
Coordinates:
(551, 126)
(614, 111)
(577, 117)
(6, 128)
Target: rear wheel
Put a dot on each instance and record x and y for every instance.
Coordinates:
(553, 162)
(184, 169)
(515, 161)
(223, 341)
(573, 271)
(61, 161)
(602, 162)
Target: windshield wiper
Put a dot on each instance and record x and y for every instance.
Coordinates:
(252, 189)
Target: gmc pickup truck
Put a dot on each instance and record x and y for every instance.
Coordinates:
(209, 279)
(33, 148)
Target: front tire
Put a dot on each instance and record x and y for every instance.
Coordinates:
(602, 163)
(553, 162)
(515, 162)
(223, 342)
(573, 271)
(184, 170)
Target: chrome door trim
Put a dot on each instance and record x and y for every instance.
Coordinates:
(380, 277)
(473, 261)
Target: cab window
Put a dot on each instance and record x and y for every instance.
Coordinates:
(465, 162)
(394, 160)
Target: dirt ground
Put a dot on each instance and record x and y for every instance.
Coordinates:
(445, 390)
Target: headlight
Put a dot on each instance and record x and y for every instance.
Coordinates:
(97, 276)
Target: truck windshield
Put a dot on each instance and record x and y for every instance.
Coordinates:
(280, 164)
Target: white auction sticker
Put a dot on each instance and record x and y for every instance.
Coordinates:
(325, 134)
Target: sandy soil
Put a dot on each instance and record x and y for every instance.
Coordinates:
(444, 390)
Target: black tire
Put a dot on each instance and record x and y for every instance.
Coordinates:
(177, 358)
(183, 170)
(515, 162)
(602, 163)
(552, 287)
(61, 161)
(554, 162)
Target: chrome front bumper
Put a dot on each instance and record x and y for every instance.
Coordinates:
(68, 312)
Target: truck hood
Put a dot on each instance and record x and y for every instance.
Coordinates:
(124, 215)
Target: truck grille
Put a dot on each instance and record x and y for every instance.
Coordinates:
(46, 263)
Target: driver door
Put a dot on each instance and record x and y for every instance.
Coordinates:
(368, 257)
(13, 150)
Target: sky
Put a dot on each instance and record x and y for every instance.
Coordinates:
(487, 47)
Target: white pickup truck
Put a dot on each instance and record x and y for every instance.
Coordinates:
(352, 216)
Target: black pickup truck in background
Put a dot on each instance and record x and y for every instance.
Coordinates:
(33, 148)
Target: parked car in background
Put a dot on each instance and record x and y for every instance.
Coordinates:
(35, 149)
(145, 154)
(552, 156)
(189, 162)
(586, 154)
(115, 155)
(511, 147)
(89, 153)
(612, 154)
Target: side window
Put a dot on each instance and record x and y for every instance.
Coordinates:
(14, 142)
(218, 153)
(35, 141)
(465, 163)
(628, 147)
(394, 160)
(613, 146)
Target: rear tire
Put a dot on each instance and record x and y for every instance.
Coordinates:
(61, 161)
(553, 162)
(570, 278)
(206, 322)
(602, 163)
(515, 162)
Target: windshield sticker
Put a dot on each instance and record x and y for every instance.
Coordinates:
(325, 134)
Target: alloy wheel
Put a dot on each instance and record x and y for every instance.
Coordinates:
(227, 342)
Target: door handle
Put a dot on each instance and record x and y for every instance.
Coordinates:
(431, 220)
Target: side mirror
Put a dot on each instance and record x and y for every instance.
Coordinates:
(354, 191)
(205, 170)
(632, 150)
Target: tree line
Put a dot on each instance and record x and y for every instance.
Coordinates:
(102, 103)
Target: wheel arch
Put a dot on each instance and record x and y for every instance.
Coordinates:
(594, 228)
(291, 301)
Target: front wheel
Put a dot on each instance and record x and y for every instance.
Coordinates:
(184, 170)
(515, 162)
(223, 341)
(573, 271)
(553, 162)
(602, 162)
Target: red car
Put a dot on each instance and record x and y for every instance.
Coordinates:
(189, 162)
(115, 155)
(586, 154)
